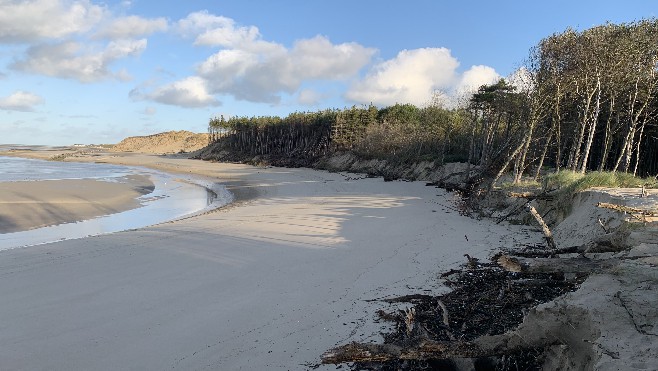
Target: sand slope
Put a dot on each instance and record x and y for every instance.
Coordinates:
(269, 283)
(167, 142)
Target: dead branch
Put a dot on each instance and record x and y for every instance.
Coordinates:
(444, 310)
(424, 349)
(522, 195)
(554, 265)
(409, 319)
(544, 227)
(634, 212)
(544, 195)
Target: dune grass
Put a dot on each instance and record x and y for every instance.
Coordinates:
(574, 182)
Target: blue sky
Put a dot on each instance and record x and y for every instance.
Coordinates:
(85, 71)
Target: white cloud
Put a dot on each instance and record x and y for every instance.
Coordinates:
(32, 20)
(131, 27)
(410, 77)
(190, 93)
(60, 34)
(252, 69)
(415, 76)
(70, 60)
(475, 77)
(262, 71)
(318, 58)
(20, 101)
(521, 79)
(212, 30)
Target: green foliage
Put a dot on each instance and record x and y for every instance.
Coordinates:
(589, 101)
(575, 181)
(402, 133)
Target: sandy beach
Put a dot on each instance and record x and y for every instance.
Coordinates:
(292, 268)
(31, 204)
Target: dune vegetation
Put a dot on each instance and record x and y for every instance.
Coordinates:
(583, 101)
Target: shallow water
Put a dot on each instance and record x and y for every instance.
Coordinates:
(173, 198)
(24, 169)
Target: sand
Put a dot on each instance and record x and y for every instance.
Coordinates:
(29, 204)
(294, 267)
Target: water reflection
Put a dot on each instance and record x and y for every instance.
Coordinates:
(171, 199)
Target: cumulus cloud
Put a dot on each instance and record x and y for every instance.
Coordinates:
(62, 37)
(410, 77)
(32, 20)
(318, 58)
(262, 71)
(476, 76)
(20, 101)
(521, 79)
(131, 27)
(190, 93)
(213, 30)
(252, 69)
(70, 60)
(415, 76)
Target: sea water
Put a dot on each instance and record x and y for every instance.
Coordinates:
(174, 197)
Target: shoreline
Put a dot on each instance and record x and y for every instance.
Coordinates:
(27, 205)
(295, 266)
(300, 264)
(35, 212)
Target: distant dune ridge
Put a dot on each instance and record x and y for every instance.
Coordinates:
(167, 142)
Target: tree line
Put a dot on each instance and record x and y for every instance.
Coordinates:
(402, 132)
(584, 100)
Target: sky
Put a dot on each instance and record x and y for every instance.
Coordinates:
(92, 72)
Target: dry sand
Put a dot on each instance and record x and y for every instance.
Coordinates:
(31, 204)
(269, 283)
(167, 142)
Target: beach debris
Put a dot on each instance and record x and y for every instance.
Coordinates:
(548, 235)
(475, 321)
(554, 265)
(639, 214)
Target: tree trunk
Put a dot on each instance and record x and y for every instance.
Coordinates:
(543, 154)
(592, 125)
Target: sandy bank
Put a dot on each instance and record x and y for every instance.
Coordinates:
(287, 272)
(34, 204)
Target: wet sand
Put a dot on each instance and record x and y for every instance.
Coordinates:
(32, 204)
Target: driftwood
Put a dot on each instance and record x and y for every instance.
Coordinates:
(531, 195)
(544, 227)
(638, 214)
(554, 265)
(423, 349)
